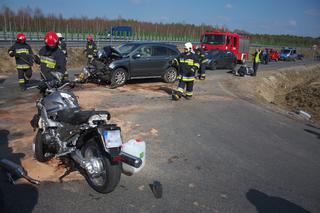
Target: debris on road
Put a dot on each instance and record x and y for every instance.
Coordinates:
(304, 114)
(156, 188)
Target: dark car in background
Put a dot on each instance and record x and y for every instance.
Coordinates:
(143, 60)
(221, 59)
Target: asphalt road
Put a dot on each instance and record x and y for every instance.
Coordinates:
(215, 153)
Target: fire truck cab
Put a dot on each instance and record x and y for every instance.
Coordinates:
(233, 42)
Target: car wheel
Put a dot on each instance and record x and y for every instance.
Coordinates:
(119, 78)
(170, 75)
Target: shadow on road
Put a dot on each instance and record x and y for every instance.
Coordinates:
(313, 132)
(168, 90)
(14, 198)
(144, 80)
(267, 204)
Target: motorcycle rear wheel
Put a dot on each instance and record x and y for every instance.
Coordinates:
(107, 181)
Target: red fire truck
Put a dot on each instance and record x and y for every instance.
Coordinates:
(233, 42)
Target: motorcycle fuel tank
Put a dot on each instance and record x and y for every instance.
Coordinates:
(60, 100)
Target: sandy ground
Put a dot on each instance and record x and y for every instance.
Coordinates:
(20, 111)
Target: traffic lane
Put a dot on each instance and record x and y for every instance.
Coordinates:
(220, 155)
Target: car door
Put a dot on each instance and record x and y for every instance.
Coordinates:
(141, 63)
(220, 60)
(161, 58)
(228, 59)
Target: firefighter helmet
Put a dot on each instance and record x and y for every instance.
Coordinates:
(21, 37)
(51, 39)
(59, 35)
(188, 46)
(89, 38)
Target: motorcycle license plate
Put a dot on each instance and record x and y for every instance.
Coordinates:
(112, 138)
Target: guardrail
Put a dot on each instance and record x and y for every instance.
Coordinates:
(79, 39)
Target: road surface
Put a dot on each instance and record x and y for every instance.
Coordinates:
(215, 153)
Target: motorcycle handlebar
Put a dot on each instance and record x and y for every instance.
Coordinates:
(16, 169)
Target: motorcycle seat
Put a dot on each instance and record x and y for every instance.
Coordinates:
(78, 117)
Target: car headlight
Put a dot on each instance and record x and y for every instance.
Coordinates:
(112, 65)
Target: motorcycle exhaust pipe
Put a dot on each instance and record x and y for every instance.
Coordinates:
(16, 169)
(125, 158)
(130, 159)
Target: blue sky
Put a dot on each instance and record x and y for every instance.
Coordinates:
(295, 17)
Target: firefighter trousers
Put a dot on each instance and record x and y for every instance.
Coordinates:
(189, 88)
(202, 71)
(255, 68)
(23, 76)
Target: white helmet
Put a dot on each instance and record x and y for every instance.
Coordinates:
(59, 35)
(188, 46)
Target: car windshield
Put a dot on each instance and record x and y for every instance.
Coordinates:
(285, 51)
(213, 39)
(125, 49)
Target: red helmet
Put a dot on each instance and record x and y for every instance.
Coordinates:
(89, 38)
(51, 39)
(21, 37)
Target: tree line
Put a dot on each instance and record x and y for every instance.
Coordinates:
(34, 20)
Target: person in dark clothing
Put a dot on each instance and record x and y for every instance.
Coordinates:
(188, 63)
(203, 61)
(63, 46)
(24, 59)
(51, 58)
(91, 49)
(256, 61)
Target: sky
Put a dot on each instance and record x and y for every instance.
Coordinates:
(295, 17)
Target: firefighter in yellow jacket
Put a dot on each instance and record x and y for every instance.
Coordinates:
(24, 59)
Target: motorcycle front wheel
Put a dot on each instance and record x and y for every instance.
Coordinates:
(109, 178)
(40, 148)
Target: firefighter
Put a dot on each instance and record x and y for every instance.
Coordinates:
(188, 64)
(24, 59)
(91, 48)
(203, 62)
(256, 61)
(52, 59)
(63, 46)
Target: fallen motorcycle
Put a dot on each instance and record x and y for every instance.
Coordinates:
(84, 137)
(97, 71)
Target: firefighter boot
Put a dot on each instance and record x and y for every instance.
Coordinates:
(175, 97)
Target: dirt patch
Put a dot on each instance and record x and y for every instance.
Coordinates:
(292, 89)
(17, 112)
(305, 96)
(76, 59)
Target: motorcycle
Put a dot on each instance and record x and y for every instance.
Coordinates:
(97, 70)
(82, 137)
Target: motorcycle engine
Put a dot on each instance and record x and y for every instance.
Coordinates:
(51, 140)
